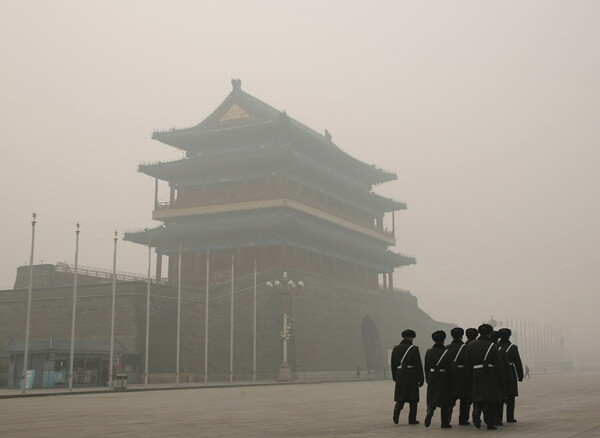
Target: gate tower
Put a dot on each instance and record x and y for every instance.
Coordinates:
(259, 185)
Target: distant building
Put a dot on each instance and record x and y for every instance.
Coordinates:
(260, 186)
(256, 188)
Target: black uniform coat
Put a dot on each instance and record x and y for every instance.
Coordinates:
(439, 377)
(457, 351)
(407, 373)
(486, 377)
(504, 359)
(515, 370)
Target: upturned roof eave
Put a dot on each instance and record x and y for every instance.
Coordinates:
(266, 116)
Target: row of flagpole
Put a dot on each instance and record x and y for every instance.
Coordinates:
(538, 342)
(113, 303)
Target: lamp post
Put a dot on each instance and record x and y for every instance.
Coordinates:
(26, 352)
(285, 286)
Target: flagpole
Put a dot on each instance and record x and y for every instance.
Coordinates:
(254, 331)
(147, 313)
(112, 317)
(29, 293)
(72, 355)
(231, 327)
(206, 321)
(178, 315)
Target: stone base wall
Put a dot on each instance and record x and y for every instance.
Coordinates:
(336, 326)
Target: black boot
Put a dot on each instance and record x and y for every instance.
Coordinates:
(397, 409)
(428, 417)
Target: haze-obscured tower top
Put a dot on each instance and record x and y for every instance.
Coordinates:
(257, 184)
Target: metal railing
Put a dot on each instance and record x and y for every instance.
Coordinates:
(99, 272)
(129, 276)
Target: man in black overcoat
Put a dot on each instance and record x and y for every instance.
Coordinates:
(438, 375)
(407, 372)
(485, 371)
(504, 359)
(515, 372)
(471, 333)
(457, 352)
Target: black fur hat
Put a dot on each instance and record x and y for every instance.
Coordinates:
(408, 333)
(438, 336)
(457, 332)
(485, 329)
(504, 333)
(472, 333)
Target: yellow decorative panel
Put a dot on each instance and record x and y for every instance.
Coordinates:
(235, 112)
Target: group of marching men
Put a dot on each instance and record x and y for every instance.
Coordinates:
(483, 371)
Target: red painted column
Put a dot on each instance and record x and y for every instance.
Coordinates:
(240, 268)
(158, 266)
(199, 268)
(283, 255)
(262, 258)
(173, 267)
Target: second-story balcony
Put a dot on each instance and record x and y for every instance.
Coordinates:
(271, 198)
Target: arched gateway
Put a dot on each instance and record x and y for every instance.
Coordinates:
(372, 347)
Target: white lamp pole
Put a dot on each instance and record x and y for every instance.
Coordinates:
(178, 315)
(29, 293)
(72, 356)
(206, 320)
(254, 330)
(112, 317)
(286, 286)
(147, 314)
(231, 326)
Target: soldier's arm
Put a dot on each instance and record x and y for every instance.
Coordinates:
(468, 365)
(419, 365)
(393, 363)
(499, 365)
(427, 364)
(518, 363)
(449, 364)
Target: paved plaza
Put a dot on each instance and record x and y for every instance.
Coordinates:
(551, 406)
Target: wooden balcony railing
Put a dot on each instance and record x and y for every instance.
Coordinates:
(263, 196)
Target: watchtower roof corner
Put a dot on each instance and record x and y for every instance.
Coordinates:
(238, 109)
(243, 113)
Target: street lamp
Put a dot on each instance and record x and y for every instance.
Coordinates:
(285, 286)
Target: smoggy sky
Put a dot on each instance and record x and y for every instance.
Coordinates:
(487, 111)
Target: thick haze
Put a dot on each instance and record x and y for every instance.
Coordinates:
(488, 112)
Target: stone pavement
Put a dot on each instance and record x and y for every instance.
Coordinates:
(551, 406)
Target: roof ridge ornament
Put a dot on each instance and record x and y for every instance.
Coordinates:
(237, 84)
(328, 135)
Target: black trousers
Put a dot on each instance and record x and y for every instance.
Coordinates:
(510, 407)
(500, 410)
(463, 413)
(445, 414)
(412, 410)
(490, 412)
